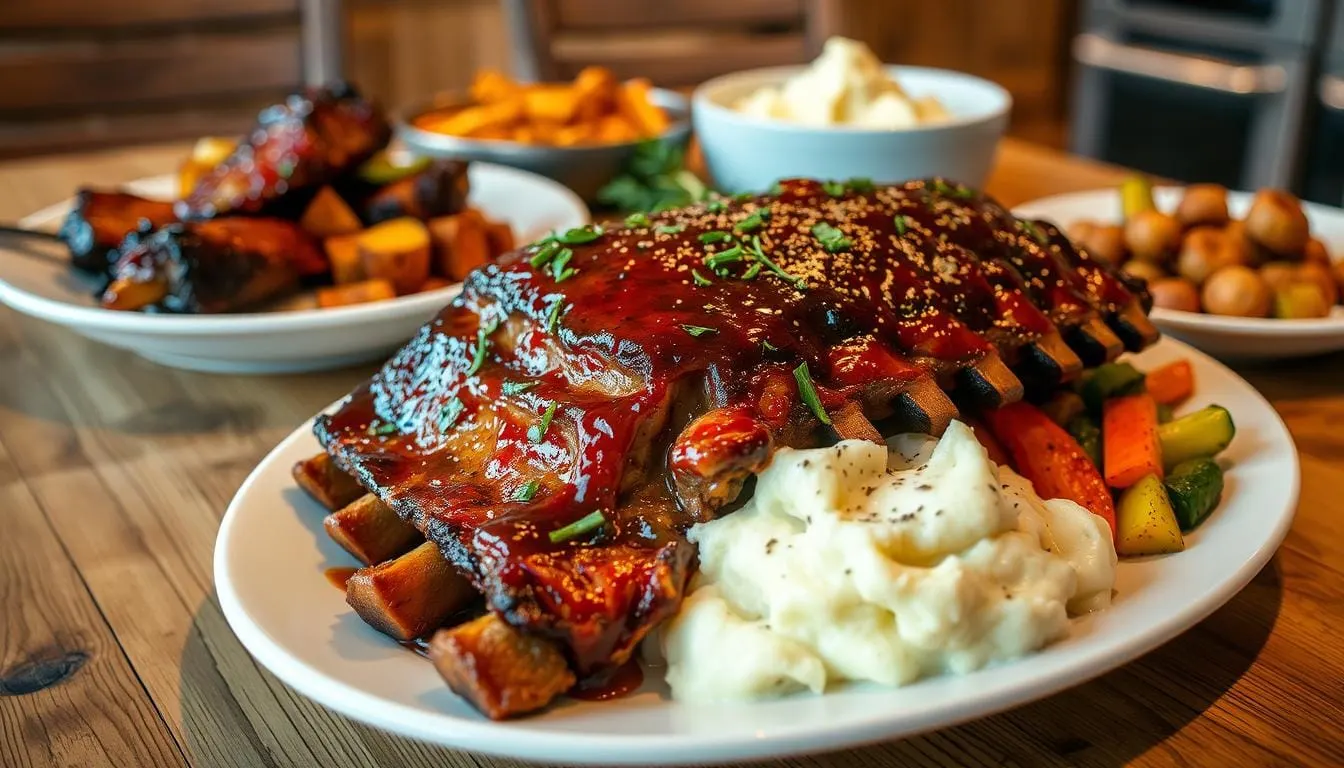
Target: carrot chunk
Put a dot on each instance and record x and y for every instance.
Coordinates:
(1171, 383)
(1129, 443)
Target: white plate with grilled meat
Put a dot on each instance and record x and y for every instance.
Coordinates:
(1225, 337)
(36, 279)
(272, 553)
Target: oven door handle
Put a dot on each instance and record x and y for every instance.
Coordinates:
(1331, 91)
(1198, 72)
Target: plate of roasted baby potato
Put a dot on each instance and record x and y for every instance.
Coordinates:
(311, 243)
(1237, 274)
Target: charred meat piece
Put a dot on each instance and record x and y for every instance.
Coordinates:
(584, 400)
(213, 266)
(314, 137)
(501, 671)
(439, 190)
(410, 596)
(325, 482)
(99, 222)
(369, 529)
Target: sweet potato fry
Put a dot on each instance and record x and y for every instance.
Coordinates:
(363, 292)
(343, 253)
(410, 596)
(556, 104)
(324, 481)
(470, 120)
(490, 85)
(497, 668)
(615, 129)
(369, 529)
(596, 88)
(396, 251)
(329, 216)
(461, 244)
(634, 104)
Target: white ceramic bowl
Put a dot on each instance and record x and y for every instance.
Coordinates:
(747, 154)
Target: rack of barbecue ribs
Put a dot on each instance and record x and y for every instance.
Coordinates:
(311, 139)
(219, 265)
(540, 448)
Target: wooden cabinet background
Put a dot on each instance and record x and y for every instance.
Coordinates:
(401, 51)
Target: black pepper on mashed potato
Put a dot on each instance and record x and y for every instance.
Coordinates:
(881, 563)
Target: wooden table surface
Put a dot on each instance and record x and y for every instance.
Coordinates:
(114, 473)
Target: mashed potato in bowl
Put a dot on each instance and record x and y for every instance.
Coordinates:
(879, 563)
(846, 85)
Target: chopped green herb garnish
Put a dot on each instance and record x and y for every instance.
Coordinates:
(553, 316)
(385, 428)
(715, 206)
(669, 229)
(558, 269)
(809, 393)
(832, 239)
(700, 279)
(449, 413)
(716, 260)
(715, 236)
(637, 220)
(743, 197)
(776, 189)
(961, 190)
(759, 253)
(833, 188)
(589, 522)
(768, 346)
(698, 330)
(537, 431)
(544, 254)
(902, 223)
(860, 184)
(526, 491)
(754, 221)
(580, 235)
(482, 343)
(1031, 229)
(516, 387)
(752, 271)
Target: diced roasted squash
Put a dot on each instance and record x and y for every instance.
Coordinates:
(500, 237)
(343, 254)
(329, 216)
(498, 669)
(206, 153)
(332, 487)
(461, 244)
(363, 292)
(396, 251)
(1145, 523)
(410, 596)
(434, 283)
(369, 529)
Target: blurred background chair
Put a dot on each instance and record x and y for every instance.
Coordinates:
(77, 74)
(671, 42)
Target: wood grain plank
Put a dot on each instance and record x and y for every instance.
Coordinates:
(68, 695)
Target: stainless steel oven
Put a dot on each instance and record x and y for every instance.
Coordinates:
(1199, 90)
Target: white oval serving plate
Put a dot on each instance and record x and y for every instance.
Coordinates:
(1231, 338)
(271, 553)
(35, 279)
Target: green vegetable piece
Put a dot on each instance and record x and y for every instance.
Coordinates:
(526, 491)
(700, 279)
(715, 236)
(1202, 434)
(1136, 195)
(380, 170)
(808, 391)
(637, 220)
(1195, 487)
(589, 522)
(449, 413)
(1088, 435)
(832, 239)
(580, 235)
(1145, 523)
(537, 432)
(698, 330)
(1164, 413)
(1108, 381)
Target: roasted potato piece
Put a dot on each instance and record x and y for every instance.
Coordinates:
(1277, 222)
(369, 529)
(439, 189)
(1106, 242)
(1237, 292)
(331, 486)
(1205, 250)
(1320, 275)
(461, 243)
(501, 671)
(1203, 204)
(1152, 236)
(1315, 251)
(363, 292)
(410, 596)
(328, 215)
(1174, 293)
(396, 251)
(1148, 271)
(500, 237)
(634, 103)
(1279, 274)
(1298, 301)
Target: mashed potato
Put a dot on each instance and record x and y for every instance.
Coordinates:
(846, 85)
(859, 562)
